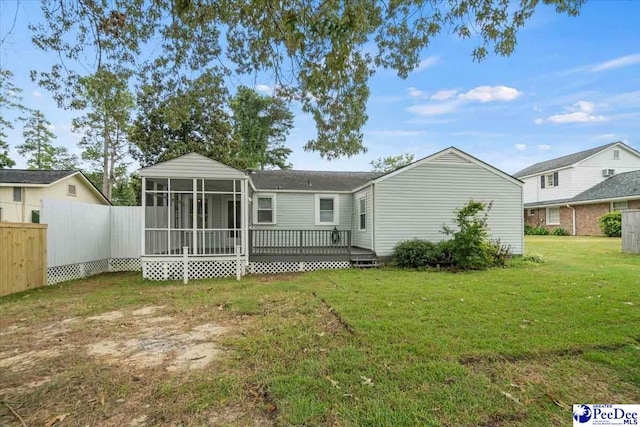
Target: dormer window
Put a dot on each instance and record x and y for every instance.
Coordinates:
(616, 154)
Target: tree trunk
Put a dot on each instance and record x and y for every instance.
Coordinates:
(106, 182)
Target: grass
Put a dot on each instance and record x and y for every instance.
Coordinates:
(513, 346)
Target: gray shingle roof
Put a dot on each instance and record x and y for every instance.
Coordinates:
(626, 184)
(621, 185)
(561, 162)
(26, 176)
(310, 180)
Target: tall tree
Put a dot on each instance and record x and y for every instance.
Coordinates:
(320, 53)
(38, 145)
(203, 126)
(391, 163)
(10, 101)
(261, 124)
(105, 126)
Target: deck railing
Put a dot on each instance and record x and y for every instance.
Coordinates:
(299, 242)
(210, 242)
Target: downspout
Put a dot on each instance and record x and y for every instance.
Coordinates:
(573, 219)
(373, 217)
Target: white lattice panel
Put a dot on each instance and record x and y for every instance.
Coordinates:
(173, 270)
(64, 273)
(124, 264)
(273, 267)
(325, 265)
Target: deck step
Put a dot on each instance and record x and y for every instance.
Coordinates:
(364, 262)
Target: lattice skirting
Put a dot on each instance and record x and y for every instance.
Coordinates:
(173, 270)
(288, 267)
(62, 273)
(125, 264)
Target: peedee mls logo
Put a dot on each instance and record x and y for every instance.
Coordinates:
(606, 415)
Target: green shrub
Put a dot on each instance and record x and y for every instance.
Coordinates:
(535, 231)
(498, 253)
(470, 244)
(415, 254)
(611, 224)
(560, 232)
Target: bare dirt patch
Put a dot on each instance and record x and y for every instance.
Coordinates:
(112, 315)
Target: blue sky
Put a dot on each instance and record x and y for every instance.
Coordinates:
(571, 84)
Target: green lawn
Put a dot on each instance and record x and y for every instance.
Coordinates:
(513, 346)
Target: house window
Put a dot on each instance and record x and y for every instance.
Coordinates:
(71, 190)
(553, 216)
(619, 206)
(616, 154)
(549, 180)
(17, 194)
(531, 212)
(326, 209)
(265, 209)
(362, 213)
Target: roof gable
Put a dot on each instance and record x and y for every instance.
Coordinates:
(568, 160)
(451, 155)
(192, 165)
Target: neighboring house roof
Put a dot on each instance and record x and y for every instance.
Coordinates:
(44, 178)
(561, 162)
(302, 180)
(619, 186)
(27, 176)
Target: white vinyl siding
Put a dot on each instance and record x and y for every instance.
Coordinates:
(363, 238)
(553, 216)
(417, 202)
(192, 166)
(297, 211)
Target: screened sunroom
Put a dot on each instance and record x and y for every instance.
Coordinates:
(196, 203)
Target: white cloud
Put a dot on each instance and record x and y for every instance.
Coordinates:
(443, 95)
(37, 94)
(544, 147)
(415, 92)
(490, 93)
(433, 109)
(427, 62)
(521, 147)
(51, 127)
(580, 112)
(623, 61)
(263, 88)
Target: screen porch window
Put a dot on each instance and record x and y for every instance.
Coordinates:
(201, 214)
(326, 209)
(553, 216)
(362, 213)
(265, 209)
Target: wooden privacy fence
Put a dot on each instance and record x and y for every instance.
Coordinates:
(631, 231)
(23, 257)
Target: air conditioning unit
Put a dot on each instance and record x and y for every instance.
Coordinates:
(608, 172)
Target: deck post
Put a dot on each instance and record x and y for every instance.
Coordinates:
(185, 265)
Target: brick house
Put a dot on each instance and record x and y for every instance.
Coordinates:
(573, 191)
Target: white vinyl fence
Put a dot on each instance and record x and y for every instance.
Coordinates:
(85, 239)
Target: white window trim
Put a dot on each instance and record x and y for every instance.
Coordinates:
(274, 205)
(546, 181)
(360, 213)
(619, 201)
(75, 189)
(336, 209)
(547, 217)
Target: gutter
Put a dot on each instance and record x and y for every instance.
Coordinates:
(573, 219)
